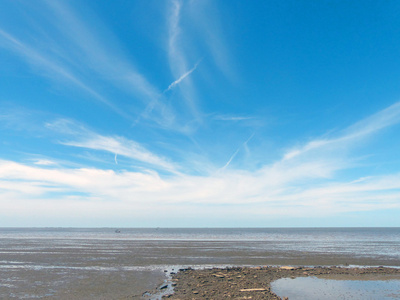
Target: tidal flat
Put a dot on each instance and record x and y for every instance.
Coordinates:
(100, 263)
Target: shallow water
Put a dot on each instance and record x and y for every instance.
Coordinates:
(88, 263)
(312, 288)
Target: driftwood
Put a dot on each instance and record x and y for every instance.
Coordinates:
(253, 290)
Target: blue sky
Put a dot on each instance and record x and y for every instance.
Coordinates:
(199, 113)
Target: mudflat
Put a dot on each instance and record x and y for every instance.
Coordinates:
(255, 282)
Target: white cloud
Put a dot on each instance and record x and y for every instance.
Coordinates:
(123, 147)
(298, 184)
(44, 162)
(271, 192)
(85, 138)
(302, 183)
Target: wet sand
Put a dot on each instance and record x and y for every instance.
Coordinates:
(255, 282)
(67, 284)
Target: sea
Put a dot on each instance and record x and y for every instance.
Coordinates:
(135, 263)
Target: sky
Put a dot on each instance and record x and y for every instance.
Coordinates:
(199, 113)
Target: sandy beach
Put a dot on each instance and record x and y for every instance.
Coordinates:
(255, 282)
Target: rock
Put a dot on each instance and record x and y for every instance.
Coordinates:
(195, 292)
(164, 287)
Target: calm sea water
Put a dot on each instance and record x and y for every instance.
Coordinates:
(94, 263)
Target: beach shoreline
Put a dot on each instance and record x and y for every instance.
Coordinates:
(255, 282)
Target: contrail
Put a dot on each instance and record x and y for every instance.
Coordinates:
(232, 157)
(176, 82)
(236, 152)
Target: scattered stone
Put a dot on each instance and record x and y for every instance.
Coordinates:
(164, 287)
(287, 268)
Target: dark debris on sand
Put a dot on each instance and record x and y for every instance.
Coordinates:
(254, 282)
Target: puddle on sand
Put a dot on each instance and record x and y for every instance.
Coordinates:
(312, 288)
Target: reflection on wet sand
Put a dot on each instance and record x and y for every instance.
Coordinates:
(313, 288)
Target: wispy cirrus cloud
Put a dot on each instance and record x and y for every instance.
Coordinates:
(354, 133)
(124, 147)
(77, 53)
(51, 67)
(178, 59)
(210, 28)
(101, 51)
(85, 138)
(108, 61)
(185, 20)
